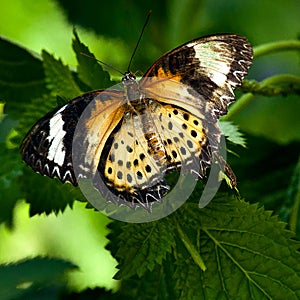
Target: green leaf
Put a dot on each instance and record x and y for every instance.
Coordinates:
(17, 278)
(247, 252)
(59, 77)
(21, 77)
(142, 246)
(271, 165)
(9, 190)
(46, 195)
(89, 70)
(290, 208)
(232, 133)
(6, 125)
(127, 28)
(154, 285)
(93, 294)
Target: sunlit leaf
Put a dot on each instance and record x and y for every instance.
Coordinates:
(232, 133)
(21, 77)
(59, 78)
(89, 70)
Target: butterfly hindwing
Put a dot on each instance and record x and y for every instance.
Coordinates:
(185, 138)
(128, 165)
(144, 147)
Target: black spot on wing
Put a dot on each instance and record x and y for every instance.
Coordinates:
(138, 197)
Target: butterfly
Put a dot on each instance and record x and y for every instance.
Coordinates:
(127, 140)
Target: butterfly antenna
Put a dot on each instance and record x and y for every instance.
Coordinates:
(138, 42)
(103, 63)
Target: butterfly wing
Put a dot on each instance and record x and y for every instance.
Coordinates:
(201, 74)
(196, 80)
(128, 166)
(133, 145)
(184, 137)
(47, 148)
(149, 141)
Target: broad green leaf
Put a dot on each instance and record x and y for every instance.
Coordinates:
(275, 118)
(59, 78)
(154, 285)
(9, 190)
(264, 170)
(46, 195)
(6, 125)
(21, 77)
(127, 23)
(232, 133)
(89, 70)
(17, 278)
(142, 246)
(247, 252)
(290, 209)
(93, 294)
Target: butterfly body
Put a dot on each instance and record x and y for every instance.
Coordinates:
(139, 108)
(133, 137)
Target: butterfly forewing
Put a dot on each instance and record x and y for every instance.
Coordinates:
(93, 130)
(209, 67)
(47, 148)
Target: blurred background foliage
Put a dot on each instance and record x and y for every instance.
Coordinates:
(111, 29)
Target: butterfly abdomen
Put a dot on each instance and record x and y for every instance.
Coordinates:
(156, 148)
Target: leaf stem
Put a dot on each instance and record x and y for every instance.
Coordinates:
(245, 99)
(295, 212)
(296, 207)
(260, 51)
(275, 47)
(238, 106)
(282, 78)
(191, 249)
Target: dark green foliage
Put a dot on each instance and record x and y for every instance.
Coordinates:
(228, 250)
(247, 253)
(11, 170)
(22, 77)
(269, 173)
(93, 294)
(89, 71)
(37, 278)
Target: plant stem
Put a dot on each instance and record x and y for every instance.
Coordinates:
(260, 51)
(296, 207)
(282, 78)
(295, 212)
(238, 106)
(191, 249)
(275, 47)
(244, 100)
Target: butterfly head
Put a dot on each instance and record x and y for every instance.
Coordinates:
(128, 78)
(131, 87)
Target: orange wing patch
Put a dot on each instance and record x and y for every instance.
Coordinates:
(163, 73)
